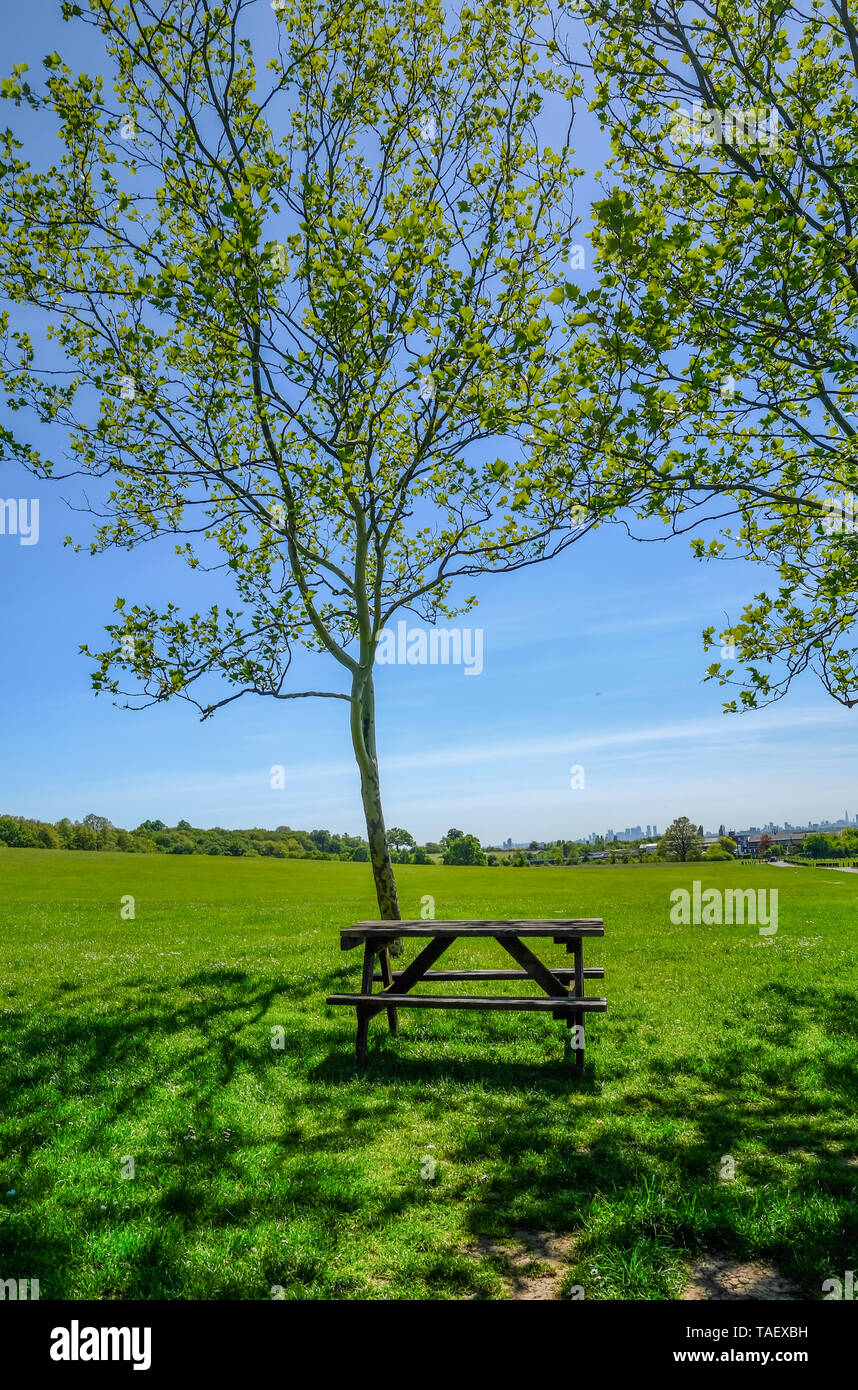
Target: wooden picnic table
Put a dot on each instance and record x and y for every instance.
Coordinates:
(564, 1003)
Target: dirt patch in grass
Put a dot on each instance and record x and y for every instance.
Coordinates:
(530, 1262)
(721, 1279)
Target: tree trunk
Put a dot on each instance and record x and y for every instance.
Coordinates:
(363, 742)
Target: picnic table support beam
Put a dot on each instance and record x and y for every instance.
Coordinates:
(413, 972)
(538, 972)
(387, 978)
(410, 976)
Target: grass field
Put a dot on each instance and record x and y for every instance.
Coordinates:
(257, 1167)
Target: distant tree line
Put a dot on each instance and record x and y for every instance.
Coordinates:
(820, 845)
(681, 841)
(95, 833)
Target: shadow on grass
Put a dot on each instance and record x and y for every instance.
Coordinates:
(647, 1173)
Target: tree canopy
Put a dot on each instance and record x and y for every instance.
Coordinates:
(728, 242)
(681, 840)
(294, 287)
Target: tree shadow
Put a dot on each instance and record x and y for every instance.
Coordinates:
(542, 1172)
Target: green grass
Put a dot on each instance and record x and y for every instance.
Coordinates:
(257, 1167)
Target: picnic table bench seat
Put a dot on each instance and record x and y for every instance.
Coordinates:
(567, 1004)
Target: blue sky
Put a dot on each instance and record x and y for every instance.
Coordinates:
(594, 659)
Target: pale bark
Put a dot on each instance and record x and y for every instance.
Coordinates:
(363, 742)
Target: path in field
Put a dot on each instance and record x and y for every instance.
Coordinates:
(721, 1280)
(834, 868)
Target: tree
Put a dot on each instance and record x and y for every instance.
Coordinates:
(818, 846)
(400, 839)
(310, 327)
(681, 840)
(181, 844)
(730, 242)
(84, 837)
(100, 827)
(464, 850)
(65, 831)
(324, 841)
(764, 845)
(450, 836)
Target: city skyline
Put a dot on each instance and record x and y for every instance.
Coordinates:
(651, 831)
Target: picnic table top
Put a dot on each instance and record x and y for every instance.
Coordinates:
(564, 927)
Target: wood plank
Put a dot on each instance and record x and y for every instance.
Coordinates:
(528, 1004)
(538, 972)
(492, 923)
(560, 928)
(562, 972)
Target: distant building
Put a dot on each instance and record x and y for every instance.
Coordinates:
(748, 842)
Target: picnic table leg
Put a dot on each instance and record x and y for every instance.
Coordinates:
(362, 1032)
(362, 1012)
(387, 981)
(578, 1016)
